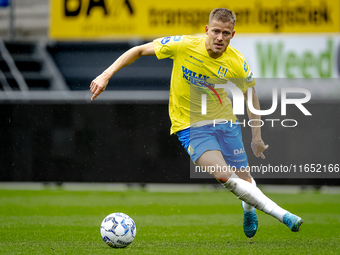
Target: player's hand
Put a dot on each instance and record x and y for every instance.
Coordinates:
(258, 148)
(98, 85)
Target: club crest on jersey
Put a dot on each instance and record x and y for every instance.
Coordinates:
(222, 71)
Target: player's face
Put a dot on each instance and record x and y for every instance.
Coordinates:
(219, 36)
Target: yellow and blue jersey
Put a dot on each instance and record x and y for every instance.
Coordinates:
(195, 73)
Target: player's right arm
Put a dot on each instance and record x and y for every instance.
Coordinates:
(99, 84)
(257, 144)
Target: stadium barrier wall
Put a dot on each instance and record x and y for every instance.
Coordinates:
(131, 143)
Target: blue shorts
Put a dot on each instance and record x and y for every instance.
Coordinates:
(222, 137)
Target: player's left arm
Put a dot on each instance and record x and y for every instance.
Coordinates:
(257, 143)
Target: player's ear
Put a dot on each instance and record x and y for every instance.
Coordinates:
(233, 34)
(206, 29)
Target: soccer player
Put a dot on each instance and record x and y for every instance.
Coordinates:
(199, 63)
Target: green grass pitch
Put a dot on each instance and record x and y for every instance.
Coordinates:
(68, 222)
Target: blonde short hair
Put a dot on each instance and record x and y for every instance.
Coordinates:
(223, 15)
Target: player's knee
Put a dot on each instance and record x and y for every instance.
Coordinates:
(243, 174)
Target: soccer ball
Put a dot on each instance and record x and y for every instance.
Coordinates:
(118, 230)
